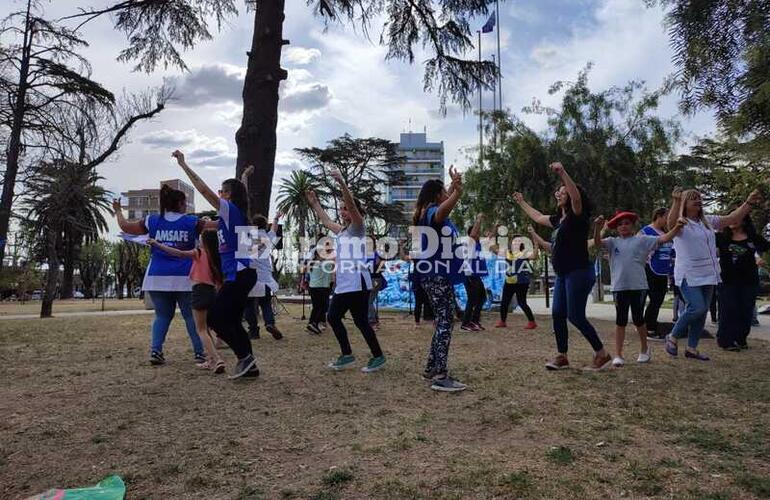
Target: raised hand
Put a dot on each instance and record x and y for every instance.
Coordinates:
(248, 171)
(278, 215)
(456, 176)
(557, 168)
(600, 221)
(530, 230)
(311, 197)
(116, 207)
(754, 198)
(676, 194)
(179, 156)
(518, 197)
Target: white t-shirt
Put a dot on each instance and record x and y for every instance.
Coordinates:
(350, 261)
(266, 241)
(696, 253)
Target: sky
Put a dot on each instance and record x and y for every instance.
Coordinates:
(339, 82)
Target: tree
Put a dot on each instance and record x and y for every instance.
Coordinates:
(159, 29)
(721, 52)
(292, 201)
(41, 76)
(60, 196)
(92, 264)
(126, 262)
(610, 141)
(89, 136)
(369, 166)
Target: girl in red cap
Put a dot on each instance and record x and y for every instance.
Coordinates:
(628, 255)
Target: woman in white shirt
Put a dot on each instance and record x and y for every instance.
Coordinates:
(696, 269)
(352, 277)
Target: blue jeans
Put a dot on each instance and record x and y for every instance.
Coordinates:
(690, 322)
(265, 304)
(570, 295)
(165, 305)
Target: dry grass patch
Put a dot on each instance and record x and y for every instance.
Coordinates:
(80, 401)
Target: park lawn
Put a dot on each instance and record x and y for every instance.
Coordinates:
(70, 305)
(79, 402)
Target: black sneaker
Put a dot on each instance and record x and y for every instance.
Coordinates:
(246, 367)
(254, 334)
(156, 358)
(274, 331)
(447, 384)
(199, 358)
(654, 337)
(312, 328)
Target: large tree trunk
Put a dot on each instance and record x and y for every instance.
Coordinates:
(49, 292)
(13, 151)
(256, 138)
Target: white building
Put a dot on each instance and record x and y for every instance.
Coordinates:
(422, 160)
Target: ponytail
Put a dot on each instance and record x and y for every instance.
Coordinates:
(171, 200)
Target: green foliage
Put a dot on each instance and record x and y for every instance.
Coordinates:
(610, 142)
(292, 201)
(367, 165)
(560, 455)
(721, 52)
(94, 262)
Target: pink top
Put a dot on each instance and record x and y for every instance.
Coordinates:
(201, 271)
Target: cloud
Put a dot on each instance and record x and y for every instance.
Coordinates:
(208, 84)
(300, 55)
(200, 149)
(305, 98)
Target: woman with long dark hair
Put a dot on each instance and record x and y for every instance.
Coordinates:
(167, 277)
(518, 275)
(227, 310)
(353, 279)
(696, 269)
(319, 285)
(574, 271)
(738, 246)
(438, 274)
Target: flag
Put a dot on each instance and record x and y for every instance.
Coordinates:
(489, 25)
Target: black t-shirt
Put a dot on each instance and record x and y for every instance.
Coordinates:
(569, 246)
(737, 259)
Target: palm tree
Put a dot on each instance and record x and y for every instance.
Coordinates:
(292, 201)
(64, 199)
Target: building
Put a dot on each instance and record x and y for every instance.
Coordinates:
(143, 202)
(422, 160)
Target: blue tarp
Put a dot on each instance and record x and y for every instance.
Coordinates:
(398, 294)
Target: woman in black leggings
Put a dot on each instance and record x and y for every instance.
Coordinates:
(239, 278)
(517, 278)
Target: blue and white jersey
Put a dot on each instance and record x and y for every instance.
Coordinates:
(230, 218)
(661, 260)
(167, 273)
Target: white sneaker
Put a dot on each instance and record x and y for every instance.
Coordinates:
(645, 357)
(618, 361)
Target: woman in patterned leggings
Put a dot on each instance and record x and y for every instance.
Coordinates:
(437, 274)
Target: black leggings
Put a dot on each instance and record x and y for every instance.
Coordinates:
(225, 315)
(421, 304)
(320, 299)
(657, 293)
(633, 299)
(520, 291)
(358, 305)
(477, 295)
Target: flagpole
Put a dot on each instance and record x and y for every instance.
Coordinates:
(494, 110)
(481, 110)
(499, 59)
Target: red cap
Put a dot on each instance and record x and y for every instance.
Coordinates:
(620, 215)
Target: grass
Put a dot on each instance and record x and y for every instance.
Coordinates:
(70, 306)
(80, 402)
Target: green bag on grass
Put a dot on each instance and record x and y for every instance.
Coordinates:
(109, 488)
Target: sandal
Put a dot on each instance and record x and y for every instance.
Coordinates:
(671, 347)
(203, 366)
(219, 368)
